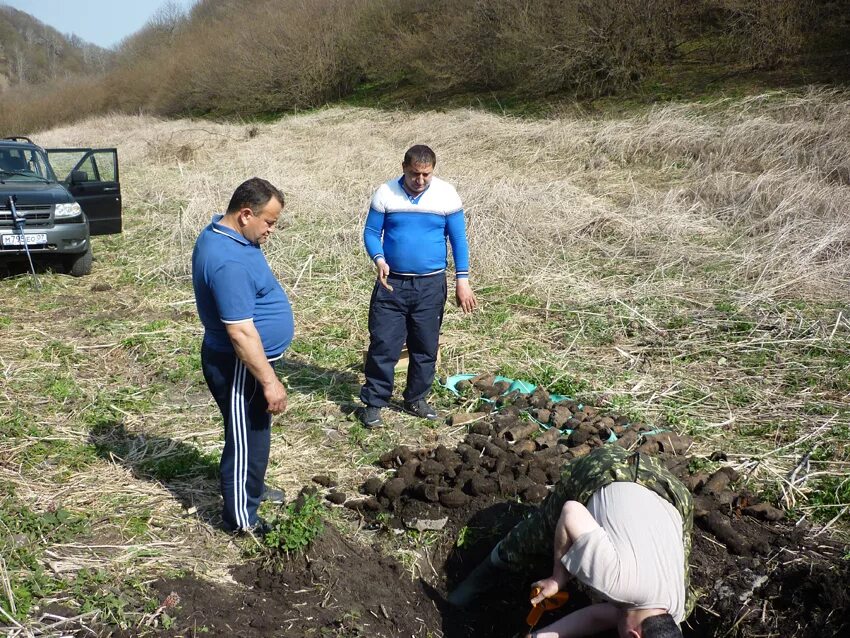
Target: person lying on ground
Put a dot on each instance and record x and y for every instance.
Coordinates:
(619, 523)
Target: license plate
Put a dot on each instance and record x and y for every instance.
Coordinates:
(33, 239)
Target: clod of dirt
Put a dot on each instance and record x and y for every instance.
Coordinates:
(395, 457)
(430, 467)
(537, 475)
(337, 498)
(425, 492)
(393, 488)
(674, 443)
(520, 431)
(695, 482)
(549, 438)
(719, 481)
(363, 504)
(502, 386)
(503, 422)
(324, 480)
(765, 512)
(408, 470)
(508, 486)
(372, 486)
(543, 415)
(580, 450)
(463, 385)
(480, 486)
(535, 494)
(488, 391)
(490, 447)
(481, 428)
(560, 417)
(455, 498)
(722, 529)
(539, 398)
(483, 379)
(579, 436)
(649, 446)
(627, 440)
(526, 445)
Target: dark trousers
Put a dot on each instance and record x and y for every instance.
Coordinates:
(247, 435)
(412, 311)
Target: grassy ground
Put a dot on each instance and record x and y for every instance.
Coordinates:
(686, 265)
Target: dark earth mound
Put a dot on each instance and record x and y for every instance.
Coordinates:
(757, 574)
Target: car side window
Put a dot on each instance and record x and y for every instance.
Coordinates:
(89, 167)
(105, 165)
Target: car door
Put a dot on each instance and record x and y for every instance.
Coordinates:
(91, 176)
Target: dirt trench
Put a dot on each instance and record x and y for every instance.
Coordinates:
(758, 575)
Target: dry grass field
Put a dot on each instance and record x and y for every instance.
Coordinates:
(687, 265)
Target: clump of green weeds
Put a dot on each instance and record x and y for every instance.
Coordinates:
(24, 536)
(298, 525)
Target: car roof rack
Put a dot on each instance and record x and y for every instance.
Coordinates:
(19, 138)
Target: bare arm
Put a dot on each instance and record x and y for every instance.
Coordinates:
(249, 348)
(574, 521)
(584, 622)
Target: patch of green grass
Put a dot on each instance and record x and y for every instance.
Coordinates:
(113, 596)
(185, 461)
(66, 456)
(61, 388)
(18, 424)
(111, 404)
(62, 351)
(26, 534)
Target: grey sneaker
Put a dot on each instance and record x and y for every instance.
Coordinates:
(370, 417)
(421, 409)
(259, 529)
(271, 495)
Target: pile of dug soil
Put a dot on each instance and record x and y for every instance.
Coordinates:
(337, 588)
(758, 575)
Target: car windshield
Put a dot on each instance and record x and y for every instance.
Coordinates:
(24, 164)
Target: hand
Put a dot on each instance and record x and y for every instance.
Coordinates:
(548, 588)
(383, 272)
(275, 395)
(465, 297)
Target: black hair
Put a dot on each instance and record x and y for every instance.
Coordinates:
(420, 154)
(254, 193)
(661, 626)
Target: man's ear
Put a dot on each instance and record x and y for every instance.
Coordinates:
(244, 214)
(631, 633)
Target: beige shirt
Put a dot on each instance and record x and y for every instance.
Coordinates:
(636, 557)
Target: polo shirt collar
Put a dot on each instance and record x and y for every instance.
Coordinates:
(221, 229)
(414, 199)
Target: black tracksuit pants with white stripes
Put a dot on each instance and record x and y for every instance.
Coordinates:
(247, 435)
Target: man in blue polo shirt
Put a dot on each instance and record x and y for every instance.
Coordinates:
(405, 235)
(247, 325)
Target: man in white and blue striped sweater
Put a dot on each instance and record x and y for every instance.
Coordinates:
(405, 235)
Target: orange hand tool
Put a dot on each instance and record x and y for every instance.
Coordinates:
(547, 604)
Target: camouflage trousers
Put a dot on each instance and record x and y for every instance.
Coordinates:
(530, 544)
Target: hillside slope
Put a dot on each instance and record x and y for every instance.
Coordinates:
(32, 52)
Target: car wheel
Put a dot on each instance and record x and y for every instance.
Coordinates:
(79, 265)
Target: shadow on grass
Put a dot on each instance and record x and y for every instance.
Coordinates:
(189, 474)
(13, 267)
